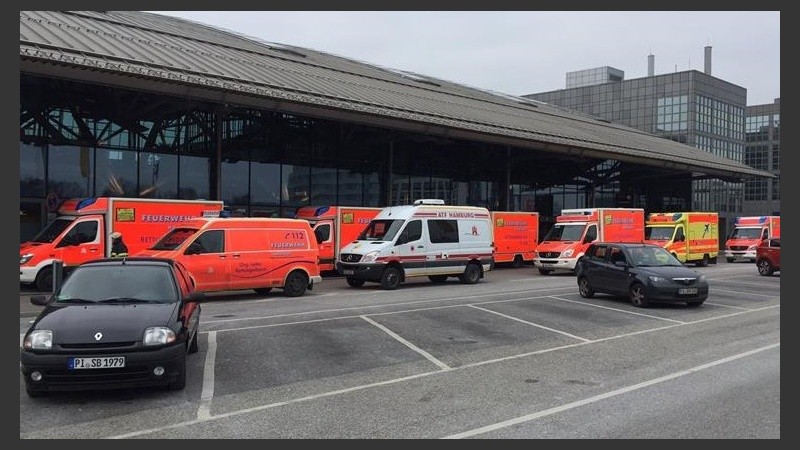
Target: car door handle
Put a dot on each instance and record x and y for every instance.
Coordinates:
(236, 255)
(222, 256)
(420, 246)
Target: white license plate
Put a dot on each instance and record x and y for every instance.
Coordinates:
(687, 291)
(348, 272)
(108, 362)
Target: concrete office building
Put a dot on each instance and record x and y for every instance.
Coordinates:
(690, 107)
(120, 103)
(762, 151)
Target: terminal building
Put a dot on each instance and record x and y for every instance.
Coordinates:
(136, 104)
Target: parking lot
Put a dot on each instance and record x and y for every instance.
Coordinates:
(518, 355)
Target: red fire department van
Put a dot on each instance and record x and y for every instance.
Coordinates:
(747, 233)
(258, 253)
(575, 229)
(83, 228)
(516, 236)
(335, 227)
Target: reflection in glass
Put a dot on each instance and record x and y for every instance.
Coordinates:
(195, 180)
(70, 170)
(31, 170)
(235, 182)
(323, 186)
(295, 189)
(115, 173)
(158, 175)
(265, 183)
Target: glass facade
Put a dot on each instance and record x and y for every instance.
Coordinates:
(269, 163)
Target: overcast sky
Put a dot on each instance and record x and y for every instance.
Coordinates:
(524, 52)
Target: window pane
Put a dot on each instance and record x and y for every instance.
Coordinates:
(350, 188)
(116, 173)
(31, 170)
(194, 177)
(234, 184)
(295, 187)
(158, 175)
(70, 170)
(265, 184)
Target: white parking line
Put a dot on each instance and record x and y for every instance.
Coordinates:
(207, 395)
(531, 323)
(385, 305)
(748, 293)
(597, 398)
(411, 377)
(422, 352)
(402, 311)
(724, 280)
(616, 309)
(726, 306)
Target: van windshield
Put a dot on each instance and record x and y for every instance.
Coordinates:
(381, 230)
(658, 233)
(173, 239)
(746, 233)
(53, 230)
(562, 232)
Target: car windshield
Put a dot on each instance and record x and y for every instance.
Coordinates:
(561, 232)
(651, 256)
(53, 230)
(658, 233)
(123, 283)
(381, 230)
(746, 233)
(173, 239)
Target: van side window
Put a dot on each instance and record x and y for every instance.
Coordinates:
(323, 233)
(412, 232)
(443, 231)
(679, 236)
(211, 241)
(81, 233)
(591, 234)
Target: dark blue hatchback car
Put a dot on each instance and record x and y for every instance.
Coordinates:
(644, 273)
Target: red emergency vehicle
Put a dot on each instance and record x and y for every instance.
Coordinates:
(516, 236)
(747, 233)
(575, 229)
(83, 228)
(335, 227)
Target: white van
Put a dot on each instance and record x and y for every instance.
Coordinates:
(427, 238)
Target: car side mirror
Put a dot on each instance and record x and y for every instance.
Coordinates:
(194, 297)
(40, 300)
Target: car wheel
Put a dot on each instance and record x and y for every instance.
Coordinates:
(518, 262)
(471, 275)
(584, 289)
(544, 271)
(44, 279)
(354, 282)
(765, 268)
(179, 382)
(703, 262)
(296, 284)
(695, 304)
(193, 343)
(438, 278)
(263, 291)
(637, 295)
(729, 259)
(391, 278)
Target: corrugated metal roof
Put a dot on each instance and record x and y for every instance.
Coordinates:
(167, 48)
